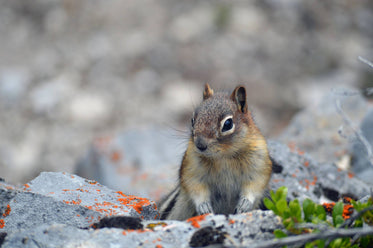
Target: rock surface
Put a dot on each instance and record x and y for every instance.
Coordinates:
(143, 161)
(242, 230)
(321, 130)
(55, 209)
(362, 156)
(121, 163)
(307, 178)
(67, 199)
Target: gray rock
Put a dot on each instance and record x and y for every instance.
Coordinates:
(7, 192)
(143, 161)
(29, 210)
(13, 85)
(242, 229)
(320, 129)
(361, 163)
(68, 199)
(52, 209)
(47, 235)
(306, 178)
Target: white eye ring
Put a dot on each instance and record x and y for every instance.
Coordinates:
(226, 125)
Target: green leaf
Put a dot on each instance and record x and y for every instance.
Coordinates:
(284, 193)
(295, 210)
(356, 205)
(289, 224)
(308, 209)
(338, 221)
(321, 244)
(281, 194)
(279, 234)
(286, 214)
(270, 205)
(336, 243)
(337, 214)
(282, 206)
(321, 213)
(273, 196)
(309, 245)
(316, 243)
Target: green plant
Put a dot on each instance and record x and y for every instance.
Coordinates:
(311, 218)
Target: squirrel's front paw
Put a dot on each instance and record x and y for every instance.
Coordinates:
(243, 206)
(204, 208)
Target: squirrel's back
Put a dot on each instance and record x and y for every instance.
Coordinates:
(226, 167)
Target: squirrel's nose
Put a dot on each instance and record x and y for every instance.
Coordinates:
(201, 144)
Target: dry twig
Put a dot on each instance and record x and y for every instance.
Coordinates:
(302, 239)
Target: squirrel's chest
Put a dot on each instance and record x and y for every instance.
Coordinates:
(226, 173)
(225, 183)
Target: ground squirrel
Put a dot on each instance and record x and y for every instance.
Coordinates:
(226, 167)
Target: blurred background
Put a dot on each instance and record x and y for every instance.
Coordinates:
(71, 71)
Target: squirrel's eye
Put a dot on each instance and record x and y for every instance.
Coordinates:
(228, 125)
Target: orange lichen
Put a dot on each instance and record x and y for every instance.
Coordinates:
(347, 199)
(132, 201)
(307, 183)
(347, 211)
(300, 152)
(134, 230)
(73, 202)
(159, 246)
(116, 156)
(314, 180)
(293, 148)
(157, 240)
(143, 176)
(116, 207)
(350, 174)
(278, 180)
(231, 222)
(2, 223)
(103, 141)
(195, 220)
(329, 206)
(306, 163)
(7, 211)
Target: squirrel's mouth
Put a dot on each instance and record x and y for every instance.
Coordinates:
(202, 144)
(211, 152)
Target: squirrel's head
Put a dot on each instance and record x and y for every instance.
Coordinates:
(221, 123)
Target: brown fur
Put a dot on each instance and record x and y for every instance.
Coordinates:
(223, 171)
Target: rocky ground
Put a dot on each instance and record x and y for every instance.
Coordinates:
(99, 91)
(71, 71)
(61, 209)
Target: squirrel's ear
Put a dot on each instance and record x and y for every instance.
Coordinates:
(239, 97)
(208, 92)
